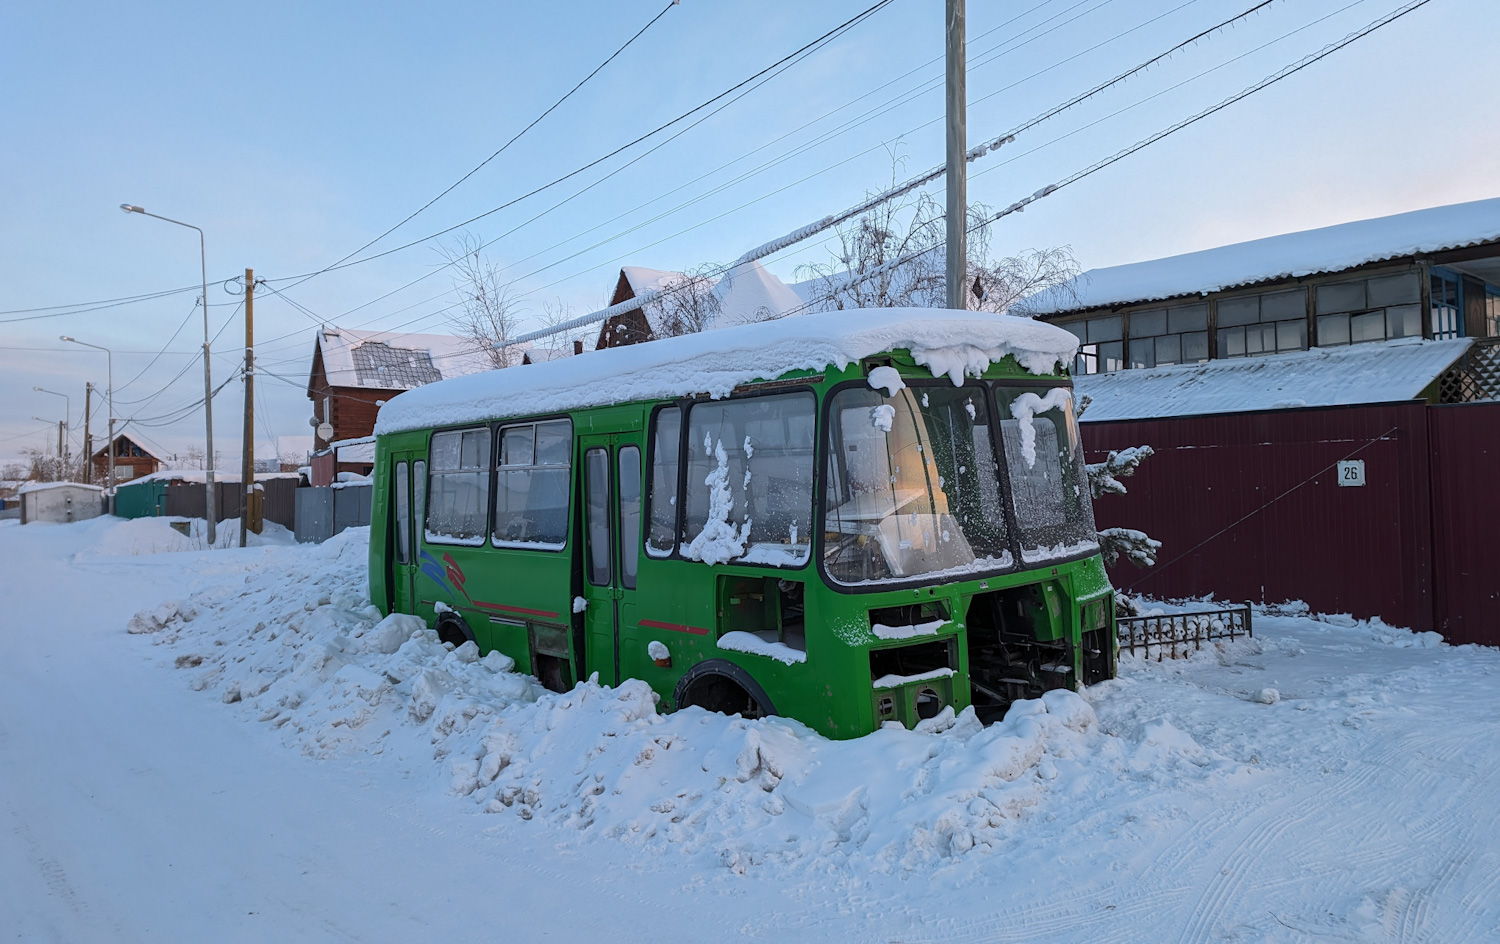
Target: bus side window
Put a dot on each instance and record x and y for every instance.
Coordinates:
(596, 503)
(418, 496)
(403, 514)
(666, 444)
(630, 514)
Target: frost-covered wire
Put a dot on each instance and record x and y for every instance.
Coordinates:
(503, 148)
(1020, 205)
(810, 230)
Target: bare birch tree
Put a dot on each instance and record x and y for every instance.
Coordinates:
(892, 257)
(689, 304)
(486, 314)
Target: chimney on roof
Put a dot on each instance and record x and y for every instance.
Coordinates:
(577, 346)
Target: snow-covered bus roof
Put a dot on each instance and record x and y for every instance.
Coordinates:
(949, 343)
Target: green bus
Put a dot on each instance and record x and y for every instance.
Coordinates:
(848, 519)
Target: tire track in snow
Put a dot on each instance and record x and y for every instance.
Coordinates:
(1274, 819)
(1081, 916)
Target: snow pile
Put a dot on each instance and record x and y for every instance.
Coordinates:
(137, 536)
(296, 645)
(949, 344)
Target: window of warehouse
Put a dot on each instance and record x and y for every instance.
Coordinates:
(1270, 323)
(459, 498)
(1161, 336)
(1100, 348)
(1374, 309)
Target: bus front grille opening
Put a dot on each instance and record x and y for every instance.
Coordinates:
(1017, 649)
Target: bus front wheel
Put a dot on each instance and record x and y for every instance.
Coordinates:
(720, 685)
(453, 628)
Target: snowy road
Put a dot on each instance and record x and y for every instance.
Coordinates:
(325, 787)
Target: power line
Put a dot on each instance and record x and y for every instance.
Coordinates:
(1020, 205)
(800, 52)
(516, 137)
(921, 180)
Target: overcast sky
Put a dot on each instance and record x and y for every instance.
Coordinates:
(294, 133)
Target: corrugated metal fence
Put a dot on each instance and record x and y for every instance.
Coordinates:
(190, 500)
(1249, 507)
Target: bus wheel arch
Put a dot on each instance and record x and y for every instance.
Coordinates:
(453, 628)
(720, 685)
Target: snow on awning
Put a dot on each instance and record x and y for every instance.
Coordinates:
(1337, 376)
(953, 344)
(1290, 255)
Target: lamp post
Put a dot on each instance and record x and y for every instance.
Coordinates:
(110, 483)
(67, 424)
(211, 504)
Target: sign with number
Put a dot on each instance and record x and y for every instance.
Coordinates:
(1352, 472)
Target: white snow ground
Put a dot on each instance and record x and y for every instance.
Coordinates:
(281, 766)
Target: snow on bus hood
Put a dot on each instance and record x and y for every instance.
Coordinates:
(951, 344)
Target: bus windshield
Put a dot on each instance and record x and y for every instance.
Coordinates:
(1048, 483)
(913, 486)
(915, 482)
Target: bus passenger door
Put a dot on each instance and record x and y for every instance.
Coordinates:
(611, 546)
(407, 509)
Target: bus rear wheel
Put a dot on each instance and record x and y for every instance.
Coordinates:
(720, 685)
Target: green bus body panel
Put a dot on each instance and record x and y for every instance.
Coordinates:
(510, 597)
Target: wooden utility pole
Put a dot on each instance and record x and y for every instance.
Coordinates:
(250, 515)
(956, 180)
(88, 441)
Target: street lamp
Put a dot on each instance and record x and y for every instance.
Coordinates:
(66, 424)
(211, 505)
(111, 394)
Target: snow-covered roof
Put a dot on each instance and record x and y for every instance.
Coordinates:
(1291, 255)
(103, 449)
(30, 487)
(1329, 376)
(198, 475)
(390, 360)
(746, 294)
(715, 362)
(749, 293)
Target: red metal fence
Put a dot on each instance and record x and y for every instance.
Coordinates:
(1248, 507)
(1466, 521)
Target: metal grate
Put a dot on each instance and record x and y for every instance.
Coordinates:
(377, 364)
(1171, 634)
(1476, 376)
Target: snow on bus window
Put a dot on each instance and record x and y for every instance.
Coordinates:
(1048, 484)
(531, 490)
(749, 480)
(458, 498)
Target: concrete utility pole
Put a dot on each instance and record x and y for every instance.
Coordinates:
(250, 510)
(110, 366)
(956, 179)
(88, 440)
(210, 496)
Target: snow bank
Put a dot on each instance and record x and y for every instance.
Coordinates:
(137, 536)
(296, 645)
(950, 344)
